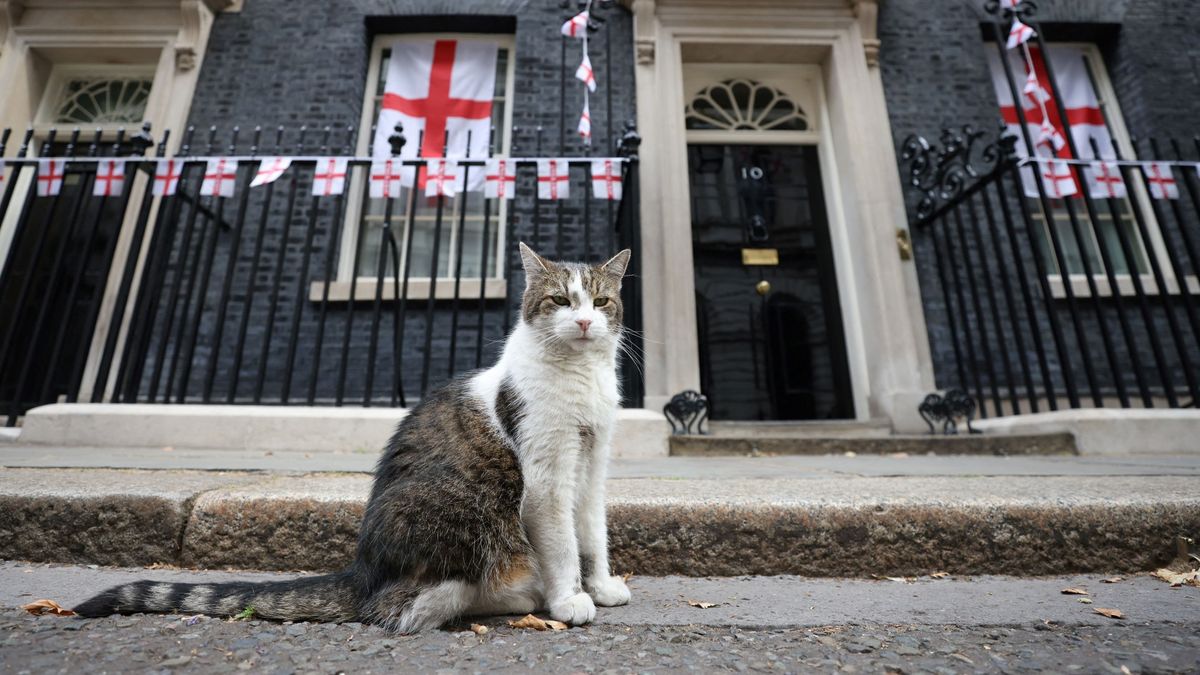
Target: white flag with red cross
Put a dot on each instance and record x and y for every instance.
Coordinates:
(270, 170)
(385, 179)
(554, 179)
(1079, 98)
(443, 178)
(1009, 4)
(166, 177)
(606, 178)
(329, 178)
(585, 74)
(585, 124)
(1019, 34)
(500, 178)
(220, 175)
(1105, 181)
(110, 178)
(576, 26)
(2, 177)
(1161, 180)
(441, 92)
(1057, 179)
(50, 176)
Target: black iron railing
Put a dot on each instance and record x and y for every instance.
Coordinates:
(272, 296)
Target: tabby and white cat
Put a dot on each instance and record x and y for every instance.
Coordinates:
(489, 498)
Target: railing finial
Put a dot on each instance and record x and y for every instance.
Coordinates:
(141, 141)
(630, 141)
(397, 139)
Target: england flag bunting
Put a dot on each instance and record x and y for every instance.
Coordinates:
(1019, 34)
(443, 178)
(50, 177)
(576, 26)
(330, 176)
(585, 124)
(1058, 179)
(606, 178)
(1009, 4)
(1161, 180)
(219, 177)
(584, 73)
(1105, 181)
(1041, 111)
(500, 178)
(441, 92)
(110, 178)
(1, 174)
(385, 179)
(553, 179)
(166, 177)
(270, 170)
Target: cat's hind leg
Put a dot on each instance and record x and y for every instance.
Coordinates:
(516, 596)
(407, 608)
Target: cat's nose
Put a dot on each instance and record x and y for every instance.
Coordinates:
(583, 324)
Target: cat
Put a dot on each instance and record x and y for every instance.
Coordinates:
(489, 497)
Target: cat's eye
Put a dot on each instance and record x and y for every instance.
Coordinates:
(600, 302)
(560, 300)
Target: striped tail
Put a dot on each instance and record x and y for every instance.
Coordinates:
(327, 598)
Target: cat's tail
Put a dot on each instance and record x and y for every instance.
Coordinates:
(329, 597)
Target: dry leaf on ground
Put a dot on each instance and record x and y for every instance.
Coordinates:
(1086, 601)
(531, 621)
(626, 577)
(478, 629)
(1110, 613)
(1112, 580)
(1178, 578)
(47, 607)
(702, 605)
(940, 575)
(1074, 591)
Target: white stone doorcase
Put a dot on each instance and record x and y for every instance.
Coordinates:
(824, 56)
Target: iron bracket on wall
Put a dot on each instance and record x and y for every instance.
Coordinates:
(947, 409)
(687, 409)
(944, 173)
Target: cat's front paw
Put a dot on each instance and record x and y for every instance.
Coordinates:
(608, 591)
(575, 610)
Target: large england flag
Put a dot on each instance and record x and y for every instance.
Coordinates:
(1079, 98)
(441, 92)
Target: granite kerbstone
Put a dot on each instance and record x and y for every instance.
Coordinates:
(964, 444)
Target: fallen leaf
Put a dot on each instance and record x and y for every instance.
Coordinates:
(903, 580)
(1178, 578)
(47, 607)
(1111, 580)
(168, 449)
(1110, 613)
(1074, 591)
(940, 575)
(701, 605)
(531, 621)
(1126, 671)
(626, 577)
(1086, 601)
(478, 629)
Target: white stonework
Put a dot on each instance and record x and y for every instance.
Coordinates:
(1111, 431)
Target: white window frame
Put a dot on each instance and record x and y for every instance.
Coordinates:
(62, 73)
(495, 285)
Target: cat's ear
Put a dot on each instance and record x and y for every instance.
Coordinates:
(534, 263)
(617, 264)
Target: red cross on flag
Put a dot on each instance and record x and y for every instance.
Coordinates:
(585, 124)
(500, 178)
(110, 178)
(219, 178)
(50, 177)
(166, 177)
(1057, 179)
(1161, 180)
(385, 179)
(1086, 121)
(554, 179)
(441, 92)
(1009, 4)
(270, 170)
(329, 178)
(1050, 138)
(576, 26)
(1, 173)
(443, 178)
(606, 178)
(584, 73)
(1105, 182)
(1019, 34)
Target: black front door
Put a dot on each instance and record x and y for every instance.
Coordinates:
(770, 327)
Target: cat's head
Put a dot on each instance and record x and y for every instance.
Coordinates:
(574, 304)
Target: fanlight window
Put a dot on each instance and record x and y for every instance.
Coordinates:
(97, 100)
(744, 105)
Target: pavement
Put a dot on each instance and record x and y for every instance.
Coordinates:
(830, 515)
(761, 624)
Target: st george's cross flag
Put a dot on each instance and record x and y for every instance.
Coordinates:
(576, 26)
(1105, 181)
(500, 178)
(50, 177)
(553, 179)
(1057, 179)
(585, 75)
(1019, 34)
(110, 178)
(443, 178)
(606, 178)
(385, 179)
(329, 178)
(270, 170)
(1161, 180)
(585, 124)
(1079, 98)
(166, 177)
(219, 177)
(441, 92)
(2, 177)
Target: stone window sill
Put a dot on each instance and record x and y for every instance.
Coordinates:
(418, 289)
(1079, 286)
